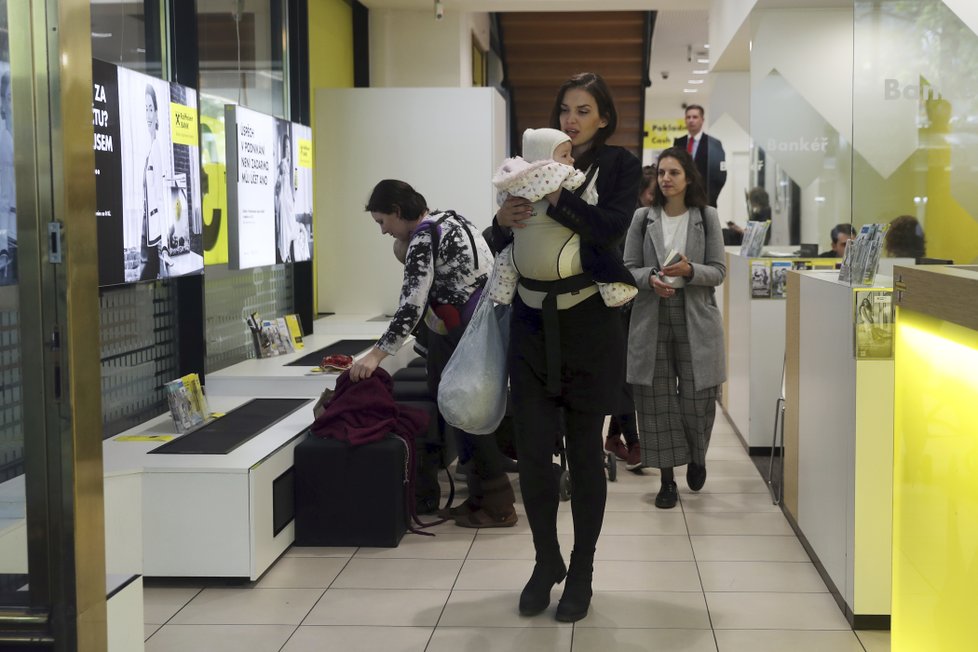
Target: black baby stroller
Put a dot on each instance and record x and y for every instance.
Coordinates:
(563, 473)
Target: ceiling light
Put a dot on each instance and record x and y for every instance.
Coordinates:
(694, 81)
(706, 45)
(702, 61)
(691, 90)
(700, 72)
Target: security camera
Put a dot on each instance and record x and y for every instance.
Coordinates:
(665, 74)
(439, 10)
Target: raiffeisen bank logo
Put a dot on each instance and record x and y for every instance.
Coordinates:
(894, 90)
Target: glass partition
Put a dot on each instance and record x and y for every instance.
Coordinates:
(128, 34)
(241, 45)
(915, 126)
(801, 120)
(13, 524)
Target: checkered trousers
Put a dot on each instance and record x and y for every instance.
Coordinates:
(674, 420)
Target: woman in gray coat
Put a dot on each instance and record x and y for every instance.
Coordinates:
(675, 342)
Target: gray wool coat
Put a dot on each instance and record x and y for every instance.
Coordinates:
(704, 249)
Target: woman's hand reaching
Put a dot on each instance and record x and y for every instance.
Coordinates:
(513, 212)
(365, 366)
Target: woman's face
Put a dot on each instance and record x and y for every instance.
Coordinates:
(391, 224)
(579, 118)
(671, 178)
(150, 114)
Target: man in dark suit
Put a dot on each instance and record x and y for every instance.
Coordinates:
(707, 153)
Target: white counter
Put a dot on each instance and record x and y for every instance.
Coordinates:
(273, 378)
(839, 444)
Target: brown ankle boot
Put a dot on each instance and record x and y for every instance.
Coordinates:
(497, 510)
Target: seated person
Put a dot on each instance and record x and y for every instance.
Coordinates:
(759, 210)
(841, 234)
(905, 238)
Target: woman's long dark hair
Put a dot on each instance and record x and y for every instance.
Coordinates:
(390, 194)
(695, 188)
(595, 85)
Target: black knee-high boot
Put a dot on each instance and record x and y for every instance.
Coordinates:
(548, 571)
(576, 600)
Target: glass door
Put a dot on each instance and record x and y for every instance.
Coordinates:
(52, 553)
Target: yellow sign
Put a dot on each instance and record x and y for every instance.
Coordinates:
(660, 134)
(183, 125)
(305, 153)
(144, 437)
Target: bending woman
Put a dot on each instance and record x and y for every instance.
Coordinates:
(446, 264)
(567, 348)
(675, 341)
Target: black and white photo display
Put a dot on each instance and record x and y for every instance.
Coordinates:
(269, 189)
(147, 176)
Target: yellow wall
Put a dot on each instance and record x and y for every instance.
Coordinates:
(330, 66)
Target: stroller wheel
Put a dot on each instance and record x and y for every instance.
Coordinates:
(565, 485)
(612, 464)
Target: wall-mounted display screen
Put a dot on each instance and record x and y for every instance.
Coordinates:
(147, 176)
(269, 185)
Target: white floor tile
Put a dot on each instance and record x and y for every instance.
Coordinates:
(590, 639)
(445, 545)
(379, 607)
(769, 576)
(219, 638)
(782, 640)
(494, 609)
(313, 638)
(733, 451)
(161, 602)
(772, 523)
(630, 547)
(775, 611)
(748, 548)
(646, 575)
(248, 607)
(302, 573)
(629, 502)
(726, 503)
(646, 609)
(727, 485)
(490, 545)
(501, 639)
(875, 641)
(653, 521)
(494, 575)
(398, 574)
(740, 468)
(304, 551)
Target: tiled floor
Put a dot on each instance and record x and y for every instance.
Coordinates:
(722, 573)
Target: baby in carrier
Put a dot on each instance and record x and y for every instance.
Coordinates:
(546, 165)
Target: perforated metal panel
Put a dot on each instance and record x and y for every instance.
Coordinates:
(229, 297)
(11, 428)
(139, 352)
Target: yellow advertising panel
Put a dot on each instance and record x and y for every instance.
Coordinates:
(305, 153)
(183, 125)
